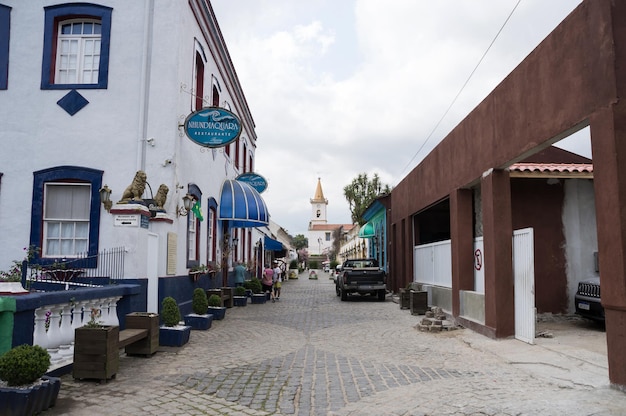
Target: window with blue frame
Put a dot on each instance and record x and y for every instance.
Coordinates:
(65, 218)
(76, 46)
(5, 32)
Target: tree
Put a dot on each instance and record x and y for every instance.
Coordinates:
(337, 234)
(360, 194)
(300, 241)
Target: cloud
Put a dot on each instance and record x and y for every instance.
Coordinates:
(341, 88)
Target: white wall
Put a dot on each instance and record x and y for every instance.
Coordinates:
(148, 96)
(579, 222)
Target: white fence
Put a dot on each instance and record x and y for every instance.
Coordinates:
(433, 264)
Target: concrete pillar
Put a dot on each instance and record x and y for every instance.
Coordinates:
(608, 141)
(498, 255)
(462, 245)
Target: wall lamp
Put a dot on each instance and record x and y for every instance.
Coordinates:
(188, 201)
(235, 241)
(105, 198)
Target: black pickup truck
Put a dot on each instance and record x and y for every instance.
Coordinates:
(362, 276)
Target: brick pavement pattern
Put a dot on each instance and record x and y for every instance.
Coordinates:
(311, 354)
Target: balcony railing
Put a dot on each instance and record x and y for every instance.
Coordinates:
(82, 270)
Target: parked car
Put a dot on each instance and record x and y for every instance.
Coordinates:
(362, 276)
(587, 299)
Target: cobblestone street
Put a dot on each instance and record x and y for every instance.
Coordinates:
(311, 354)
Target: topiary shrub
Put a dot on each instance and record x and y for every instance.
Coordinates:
(23, 365)
(240, 291)
(293, 264)
(215, 301)
(199, 301)
(170, 312)
(254, 285)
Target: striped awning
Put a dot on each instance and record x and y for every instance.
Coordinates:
(242, 206)
(367, 231)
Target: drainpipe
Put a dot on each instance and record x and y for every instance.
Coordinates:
(144, 95)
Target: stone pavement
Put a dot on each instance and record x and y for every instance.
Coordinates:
(311, 354)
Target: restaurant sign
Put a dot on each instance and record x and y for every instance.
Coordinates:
(212, 127)
(255, 180)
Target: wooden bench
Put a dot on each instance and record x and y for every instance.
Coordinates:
(130, 336)
(141, 336)
(225, 294)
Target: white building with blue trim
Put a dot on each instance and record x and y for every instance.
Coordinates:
(94, 97)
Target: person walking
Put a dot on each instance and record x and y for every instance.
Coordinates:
(268, 281)
(240, 274)
(278, 281)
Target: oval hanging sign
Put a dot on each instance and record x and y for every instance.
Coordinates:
(255, 180)
(212, 127)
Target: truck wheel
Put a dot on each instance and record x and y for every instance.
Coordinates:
(344, 295)
(381, 295)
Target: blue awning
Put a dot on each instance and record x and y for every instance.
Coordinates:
(242, 206)
(272, 245)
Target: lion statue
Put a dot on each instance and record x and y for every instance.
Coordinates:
(134, 191)
(161, 196)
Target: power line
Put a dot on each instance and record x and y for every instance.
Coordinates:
(462, 88)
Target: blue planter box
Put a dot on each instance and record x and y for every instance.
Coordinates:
(199, 322)
(174, 337)
(240, 300)
(259, 298)
(31, 401)
(218, 312)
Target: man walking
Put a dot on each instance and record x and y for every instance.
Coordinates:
(278, 281)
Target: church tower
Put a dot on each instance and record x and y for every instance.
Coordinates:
(318, 205)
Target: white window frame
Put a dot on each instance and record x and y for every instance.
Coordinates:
(49, 221)
(86, 54)
(209, 239)
(192, 237)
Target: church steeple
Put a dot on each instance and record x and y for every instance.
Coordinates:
(318, 205)
(319, 194)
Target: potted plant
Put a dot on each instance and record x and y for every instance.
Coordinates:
(199, 319)
(240, 298)
(24, 389)
(215, 307)
(257, 296)
(293, 270)
(171, 334)
(96, 355)
(197, 271)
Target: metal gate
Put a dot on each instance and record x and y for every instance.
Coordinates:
(524, 275)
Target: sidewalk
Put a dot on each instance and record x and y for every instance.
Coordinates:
(312, 354)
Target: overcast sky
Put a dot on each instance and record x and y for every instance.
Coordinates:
(342, 87)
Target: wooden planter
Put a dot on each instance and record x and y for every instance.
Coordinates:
(96, 353)
(227, 296)
(405, 299)
(419, 302)
(143, 320)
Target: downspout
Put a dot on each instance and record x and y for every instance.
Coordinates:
(144, 94)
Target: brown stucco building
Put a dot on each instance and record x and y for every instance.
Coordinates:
(573, 79)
